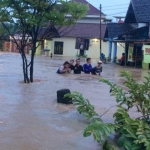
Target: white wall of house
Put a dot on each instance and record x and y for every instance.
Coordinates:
(68, 46)
(48, 45)
(93, 52)
(38, 50)
(90, 20)
(120, 49)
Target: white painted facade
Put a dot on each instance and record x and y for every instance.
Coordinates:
(70, 51)
(69, 42)
(92, 19)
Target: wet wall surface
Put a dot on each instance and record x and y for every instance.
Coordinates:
(31, 119)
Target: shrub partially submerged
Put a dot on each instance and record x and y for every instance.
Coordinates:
(133, 133)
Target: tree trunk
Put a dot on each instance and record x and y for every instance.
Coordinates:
(26, 70)
(25, 67)
(32, 65)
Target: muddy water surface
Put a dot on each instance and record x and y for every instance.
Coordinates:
(30, 118)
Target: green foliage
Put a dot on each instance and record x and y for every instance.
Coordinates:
(107, 146)
(81, 56)
(37, 20)
(74, 9)
(4, 34)
(83, 105)
(134, 134)
(100, 130)
(28, 14)
(135, 94)
(97, 127)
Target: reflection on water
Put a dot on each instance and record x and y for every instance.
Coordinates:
(30, 118)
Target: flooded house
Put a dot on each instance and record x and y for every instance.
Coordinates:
(86, 29)
(134, 33)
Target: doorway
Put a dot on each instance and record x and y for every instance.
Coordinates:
(58, 48)
(81, 52)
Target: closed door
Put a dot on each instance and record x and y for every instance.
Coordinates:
(58, 48)
(81, 52)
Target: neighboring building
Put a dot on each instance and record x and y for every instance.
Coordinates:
(5, 46)
(134, 32)
(43, 32)
(87, 28)
(13, 46)
(111, 34)
(119, 19)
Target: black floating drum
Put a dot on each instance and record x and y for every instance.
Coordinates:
(60, 96)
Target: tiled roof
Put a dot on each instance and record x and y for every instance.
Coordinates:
(139, 33)
(84, 30)
(115, 29)
(130, 16)
(138, 11)
(92, 10)
(48, 32)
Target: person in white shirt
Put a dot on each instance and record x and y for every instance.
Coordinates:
(65, 68)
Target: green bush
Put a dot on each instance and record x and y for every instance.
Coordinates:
(132, 133)
(136, 95)
(97, 127)
(81, 56)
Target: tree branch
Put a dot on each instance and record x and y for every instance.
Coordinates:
(107, 111)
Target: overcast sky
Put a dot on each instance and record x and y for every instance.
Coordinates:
(109, 6)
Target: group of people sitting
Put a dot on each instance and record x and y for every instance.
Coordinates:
(77, 68)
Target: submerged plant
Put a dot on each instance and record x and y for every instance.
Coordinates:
(97, 127)
(136, 94)
(133, 133)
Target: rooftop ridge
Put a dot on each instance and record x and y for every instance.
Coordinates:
(92, 9)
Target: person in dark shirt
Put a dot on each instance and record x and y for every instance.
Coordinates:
(103, 58)
(78, 68)
(97, 69)
(71, 64)
(51, 55)
(87, 67)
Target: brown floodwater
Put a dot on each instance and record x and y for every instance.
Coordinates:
(31, 119)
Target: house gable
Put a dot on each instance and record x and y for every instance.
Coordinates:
(142, 10)
(130, 16)
(139, 11)
(92, 10)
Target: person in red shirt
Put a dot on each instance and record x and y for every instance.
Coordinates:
(122, 60)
